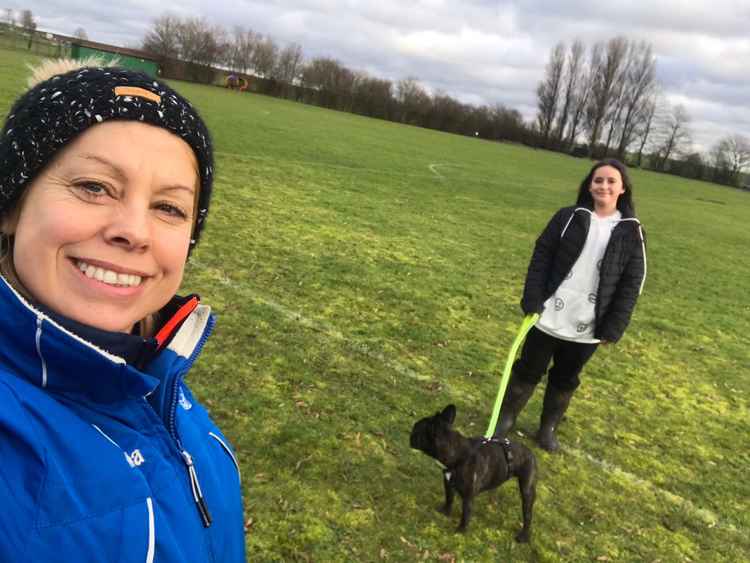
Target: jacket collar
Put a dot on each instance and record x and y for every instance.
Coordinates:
(41, 350)
(624, 214)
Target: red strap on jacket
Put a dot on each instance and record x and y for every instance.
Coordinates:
(171, 325)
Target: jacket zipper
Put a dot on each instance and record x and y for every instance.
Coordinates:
(580, 250)
(200, 501)
(607, 252)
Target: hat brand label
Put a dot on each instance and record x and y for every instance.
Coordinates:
(137, 92)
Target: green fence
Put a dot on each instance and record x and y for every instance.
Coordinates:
(144, 65)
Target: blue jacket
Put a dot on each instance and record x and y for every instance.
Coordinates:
(102, 462)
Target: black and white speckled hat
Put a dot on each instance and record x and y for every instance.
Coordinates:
(57, 110)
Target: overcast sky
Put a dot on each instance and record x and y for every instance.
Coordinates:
(479, 51)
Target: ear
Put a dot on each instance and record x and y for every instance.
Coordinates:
(449, 414)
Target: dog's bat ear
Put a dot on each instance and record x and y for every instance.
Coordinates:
(449, 414)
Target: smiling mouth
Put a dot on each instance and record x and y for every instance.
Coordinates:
(108, 276)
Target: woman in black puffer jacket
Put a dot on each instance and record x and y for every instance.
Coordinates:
(585, 275)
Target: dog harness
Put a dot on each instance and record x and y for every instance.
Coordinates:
(507, 452)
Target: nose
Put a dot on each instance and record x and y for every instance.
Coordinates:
(129, 226)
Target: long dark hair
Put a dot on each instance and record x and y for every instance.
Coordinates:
(625, 203)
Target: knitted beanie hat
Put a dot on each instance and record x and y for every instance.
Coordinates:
(57, 110)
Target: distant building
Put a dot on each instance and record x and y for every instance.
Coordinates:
(128, 58)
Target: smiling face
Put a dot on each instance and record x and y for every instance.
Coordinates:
(606, 187)
(103, 232)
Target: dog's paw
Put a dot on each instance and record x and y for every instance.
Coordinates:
(443, 509)
(522, 536)
(461, 529)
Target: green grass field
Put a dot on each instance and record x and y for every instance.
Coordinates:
(366, 274)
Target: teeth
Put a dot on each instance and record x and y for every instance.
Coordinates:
(108, 276)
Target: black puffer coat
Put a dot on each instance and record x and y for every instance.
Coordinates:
(622, 272)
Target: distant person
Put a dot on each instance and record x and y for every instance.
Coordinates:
(585, 275)
(106, 454)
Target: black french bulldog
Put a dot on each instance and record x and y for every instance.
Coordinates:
(474, 465)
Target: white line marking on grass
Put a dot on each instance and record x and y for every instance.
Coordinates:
(381, 171)
(433, 169)
(314, 163)
(706, 516)
(321, 327)
(361, 347)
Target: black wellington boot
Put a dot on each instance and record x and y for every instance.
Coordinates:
(555, 404)
(516, 397)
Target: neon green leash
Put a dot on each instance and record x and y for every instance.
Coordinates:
(526, 325)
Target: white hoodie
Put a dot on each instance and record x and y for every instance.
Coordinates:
(569, 313)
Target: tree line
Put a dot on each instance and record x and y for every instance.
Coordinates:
(325, 81)
(598, 101)
(595, 102)
(606, 101)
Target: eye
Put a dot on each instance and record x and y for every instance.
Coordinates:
(91, 189)
(171, 210)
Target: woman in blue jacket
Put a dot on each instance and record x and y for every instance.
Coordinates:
(106, 455)
(586, 273)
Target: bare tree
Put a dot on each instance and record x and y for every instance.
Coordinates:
(614, 115)
(320, 73)
(674, 135)
(265, 55)
(507, 124)
(163, 39)
(446, 114)
(640, 84)
(573, 72)
(691, 165)
(548, 91)
(332, 81)
(27, 20)
(10, 16)
(200, 42)
(238, 55)
(289, 63)
(732, 153)
(644, 126)
(413, 100)
(606, 73)
(721, 169)
(372, 96)
(80, 33)
(582, 94)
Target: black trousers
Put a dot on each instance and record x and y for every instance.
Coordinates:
(568, 359)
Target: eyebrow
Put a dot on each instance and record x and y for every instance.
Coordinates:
(116, 170)
(177, 187)
(121, 176)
